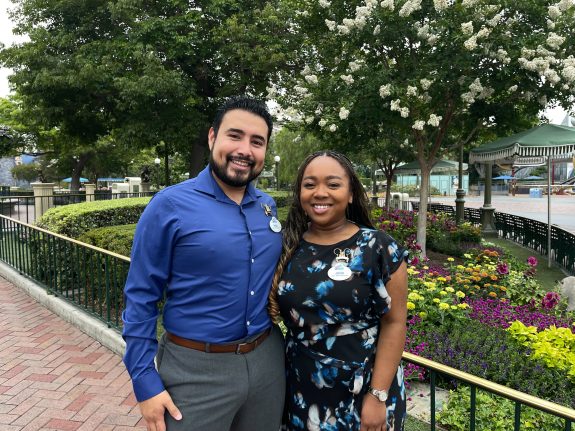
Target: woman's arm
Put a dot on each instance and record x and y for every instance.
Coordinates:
(390, 345)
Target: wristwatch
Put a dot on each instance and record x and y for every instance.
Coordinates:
(381, 395)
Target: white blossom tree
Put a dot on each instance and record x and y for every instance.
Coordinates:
(428, 70)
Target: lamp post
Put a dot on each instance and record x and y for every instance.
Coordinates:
(157, 162)
(277, 169)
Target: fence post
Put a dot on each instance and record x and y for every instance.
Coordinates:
(90, 191)
(43, 198)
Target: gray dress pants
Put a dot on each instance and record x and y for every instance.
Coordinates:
(225, 391)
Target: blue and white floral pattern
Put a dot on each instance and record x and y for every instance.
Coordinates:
(333, 328)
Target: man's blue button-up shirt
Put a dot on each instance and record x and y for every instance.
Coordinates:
(213, 259)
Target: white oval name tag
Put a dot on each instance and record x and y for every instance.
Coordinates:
(275, 225)
(339, 272)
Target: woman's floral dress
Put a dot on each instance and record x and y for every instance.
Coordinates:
(333, 329)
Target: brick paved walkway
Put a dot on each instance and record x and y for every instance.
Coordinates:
(54, 377)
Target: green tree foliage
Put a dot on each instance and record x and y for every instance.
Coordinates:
(28, 172)
(436, 71)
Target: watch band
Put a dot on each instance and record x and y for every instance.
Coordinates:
(380, 394)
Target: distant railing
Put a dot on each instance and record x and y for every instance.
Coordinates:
(89, 277)
(527, 232)
(23, 208)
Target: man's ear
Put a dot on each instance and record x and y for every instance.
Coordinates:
(211, 138)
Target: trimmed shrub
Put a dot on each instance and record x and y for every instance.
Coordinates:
(117, 239)
(75, 220)
(283, 198)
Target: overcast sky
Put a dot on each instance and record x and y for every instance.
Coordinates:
(6, 37)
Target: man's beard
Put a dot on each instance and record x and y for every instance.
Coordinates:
(237, 180)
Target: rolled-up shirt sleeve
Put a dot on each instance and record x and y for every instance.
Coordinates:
(150, 268)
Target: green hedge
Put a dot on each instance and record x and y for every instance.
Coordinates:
(117, 239)
(77, 219)
(282, 198)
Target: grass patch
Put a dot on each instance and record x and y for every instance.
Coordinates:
(547, 277)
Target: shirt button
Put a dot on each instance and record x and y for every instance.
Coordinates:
(248, 322)
(252, 293)
(253, 260)
(250, 232)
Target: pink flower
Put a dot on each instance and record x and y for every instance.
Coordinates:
(550, 300)
(502, 268)
(532, 261)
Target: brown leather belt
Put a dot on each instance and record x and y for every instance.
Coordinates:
(219, 348)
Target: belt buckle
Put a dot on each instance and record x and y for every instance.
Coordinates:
(239, 346)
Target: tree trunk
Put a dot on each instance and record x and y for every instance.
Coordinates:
(388, 178)
(422, 217)
(198, 153)
(77, 171)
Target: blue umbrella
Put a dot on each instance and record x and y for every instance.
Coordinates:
(69, 180)
(503, 177)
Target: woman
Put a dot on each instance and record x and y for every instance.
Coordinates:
(334, 288)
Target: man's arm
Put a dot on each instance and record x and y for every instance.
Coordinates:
(147, 279)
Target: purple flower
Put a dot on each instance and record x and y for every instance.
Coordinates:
(502, 268)
(532, 261)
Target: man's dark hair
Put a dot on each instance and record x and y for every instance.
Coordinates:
(245, 103)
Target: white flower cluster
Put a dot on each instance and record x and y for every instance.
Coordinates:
(503, 56)
(409, 7)
(467, 28)
(440, 5)
(569, 69)
(348, 79)
(469, 3)
(324, 3)
(418, 125)
(343, 113)
(309, 119)
(554, 40)
(322, 122)
(385, 90)
(312, 79)
(332, 128)
(471, 43)
(354, 66)
(411, 91)
(425, 84)
(476, 91)
(434, 120)
(550, 25)
(331, 25)
(387, 4)
(395, 106)
(376, 30)
(512, 89)
(496, 19)
(554, 12)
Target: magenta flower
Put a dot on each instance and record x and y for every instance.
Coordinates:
(532, 261)
(550, 300)
(502, 268)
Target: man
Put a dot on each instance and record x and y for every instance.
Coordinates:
(209, 246)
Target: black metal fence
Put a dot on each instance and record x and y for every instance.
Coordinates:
(527, 232)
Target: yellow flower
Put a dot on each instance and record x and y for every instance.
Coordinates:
(441, 279)
(414, 296)
(467, 256)
(443, 306)
(426, 267)
(423, 315)
(460, 294)
(493, 294)
(443, 293)
(450, 289)
(454, 307)
(410, 306)
(450, 259)
(460, 267)
(436, 300)
(463, 306)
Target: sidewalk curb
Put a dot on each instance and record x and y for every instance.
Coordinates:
(91, 326)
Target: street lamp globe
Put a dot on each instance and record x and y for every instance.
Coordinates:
(157, 161)
(277, 169)
(277, 159)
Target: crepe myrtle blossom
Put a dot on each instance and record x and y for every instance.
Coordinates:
(409, 7)
(467, 28)
(565, 5)
(411, 91)
(440, 5)
(387, 4)
(343, 113)
(468, 3)
(418, 125)
(376, 30)
(354, 66)
(348, 79)
(554, 12)
(332, 128)
(312, 79)
(554, 40)
(471, 43)
(512, 89)
(434, 120)
(331, 25)
(404, 112)
(425, 84)
(309, 119)
(550, 25)
(343, 29)
(385, 90)
(324, 3)
(322, 122)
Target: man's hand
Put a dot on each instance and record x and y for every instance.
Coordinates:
(373, 414)
(153, 410)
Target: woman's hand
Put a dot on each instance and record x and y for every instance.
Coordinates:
(373, 414)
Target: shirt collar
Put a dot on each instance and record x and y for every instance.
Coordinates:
(206, 183)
